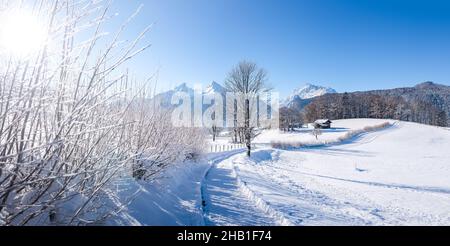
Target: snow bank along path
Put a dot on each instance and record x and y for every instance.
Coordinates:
(394, 176)
(227, 200)
(173, 199)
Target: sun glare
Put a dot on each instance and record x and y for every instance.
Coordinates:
(21, 33)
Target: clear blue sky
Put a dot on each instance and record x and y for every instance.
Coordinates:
(348, 45)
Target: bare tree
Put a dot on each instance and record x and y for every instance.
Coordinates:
(215, 130)
(246, 81)
(290, 118)
(316, 132)
(285, 119)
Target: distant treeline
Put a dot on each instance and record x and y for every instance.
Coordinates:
(353, 105)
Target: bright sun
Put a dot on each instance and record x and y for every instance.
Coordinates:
(21, 33)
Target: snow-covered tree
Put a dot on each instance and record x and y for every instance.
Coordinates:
(246, 81)
(316, 132)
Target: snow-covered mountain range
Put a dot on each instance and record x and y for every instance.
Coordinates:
(309, 91)
(164, 98)
(214, 87)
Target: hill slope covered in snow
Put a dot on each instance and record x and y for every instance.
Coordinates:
(397, 175)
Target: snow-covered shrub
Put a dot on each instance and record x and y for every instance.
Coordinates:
(155, 142)
(354, 133)
(71, 123)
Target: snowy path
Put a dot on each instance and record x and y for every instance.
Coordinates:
(230, 201)
(224, 201)
(395, 176)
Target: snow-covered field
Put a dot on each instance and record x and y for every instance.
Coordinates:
(397, 175)
(340, 130)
